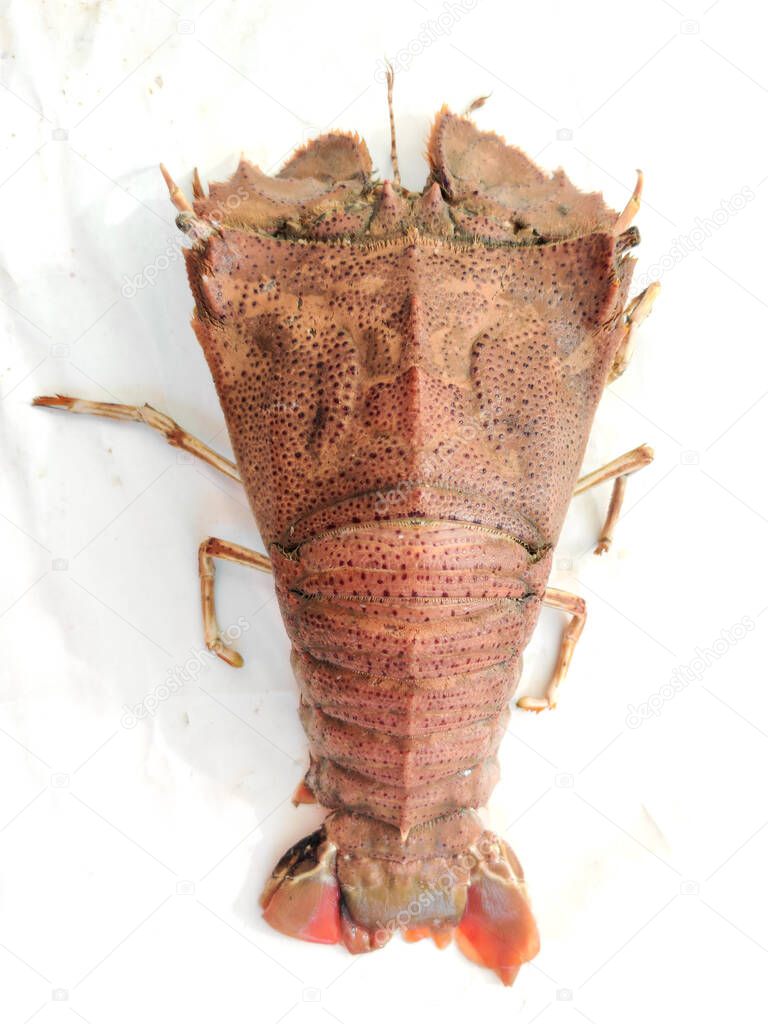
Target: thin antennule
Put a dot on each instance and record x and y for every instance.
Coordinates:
(178, 198)
(392, 136)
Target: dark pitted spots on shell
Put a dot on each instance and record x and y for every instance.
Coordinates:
(354, 376)
(408, 381)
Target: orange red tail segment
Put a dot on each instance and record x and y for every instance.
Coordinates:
(476, 897)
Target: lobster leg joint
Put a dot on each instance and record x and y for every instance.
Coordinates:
(175, 435)
(228, 552)
(577, 608)
(618, 470)
(637, 310)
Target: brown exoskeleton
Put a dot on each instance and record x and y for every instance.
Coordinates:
(409, 381)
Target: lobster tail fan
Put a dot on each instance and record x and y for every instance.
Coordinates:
(497, 929)
(358, 882)
(502, 192)
(301, 899)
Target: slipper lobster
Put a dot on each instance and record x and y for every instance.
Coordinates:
(408, 381)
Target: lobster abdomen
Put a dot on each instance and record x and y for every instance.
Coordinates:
(407, 640)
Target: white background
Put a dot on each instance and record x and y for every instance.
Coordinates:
(132, 857)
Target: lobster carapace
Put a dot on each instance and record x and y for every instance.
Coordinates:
(409, 381)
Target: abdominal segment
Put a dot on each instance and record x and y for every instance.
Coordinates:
(407, 639)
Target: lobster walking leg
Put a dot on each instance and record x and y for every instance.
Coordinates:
(215, 548)
(637, 310)
(171, 430)
(618, 469)
(578, 610)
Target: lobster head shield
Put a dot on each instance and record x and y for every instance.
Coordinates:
(380, 353)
